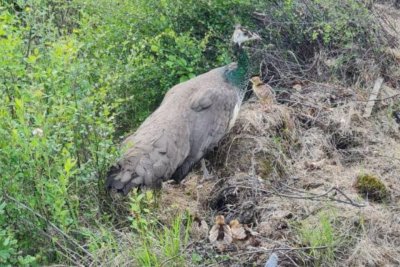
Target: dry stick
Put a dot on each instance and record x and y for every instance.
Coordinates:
(373, 96)
(262, 249)
(313, 196)
(302, 104)
(316, 196)
(378, 99)
(72, 255)
(51, 224)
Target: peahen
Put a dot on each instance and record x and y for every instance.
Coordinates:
(191, 120)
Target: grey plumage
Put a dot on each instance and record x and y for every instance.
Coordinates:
(191, 120)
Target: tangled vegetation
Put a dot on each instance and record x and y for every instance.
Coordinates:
(75, 76)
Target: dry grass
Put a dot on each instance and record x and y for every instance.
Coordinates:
(278, 171)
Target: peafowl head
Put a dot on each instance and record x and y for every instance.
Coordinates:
(242, 35)
(240, 75)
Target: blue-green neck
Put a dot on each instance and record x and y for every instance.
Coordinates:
(239, 76)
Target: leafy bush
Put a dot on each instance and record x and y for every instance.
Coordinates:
(9, 254)
(56, 126)
(146, 47)
(75, 75)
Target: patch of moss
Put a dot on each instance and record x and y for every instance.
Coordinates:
(265, 168)
(372, 187)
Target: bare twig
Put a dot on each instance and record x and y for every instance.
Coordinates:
(313, 196)
(55, 227)
(379, 99)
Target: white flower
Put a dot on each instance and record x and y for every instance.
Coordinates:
(38, 132)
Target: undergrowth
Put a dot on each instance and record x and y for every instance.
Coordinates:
(77, 75)
(158, 244)
(321, 236)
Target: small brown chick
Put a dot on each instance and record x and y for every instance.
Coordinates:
(220, 234)
(263, 91)
(199, 229)
(238, 231)
(243, 235)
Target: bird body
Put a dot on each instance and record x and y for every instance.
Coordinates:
(191, 120)
(220, 234)
(243, 235)
(263, 91)
(199, 229)
(238, 231)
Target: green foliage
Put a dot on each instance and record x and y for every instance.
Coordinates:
(146, 47)
(158, 243)
(167, 244)
(313, 24)
(75, 75)
(174, 238)
(56, 127)
(9, 254)
(372, 187)
(319, 234)
(141, 204)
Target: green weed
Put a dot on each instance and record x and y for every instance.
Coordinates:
(319, 234)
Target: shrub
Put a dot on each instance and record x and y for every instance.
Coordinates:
(322, 40)
(75, 75)
(56, 127)
(146, 47)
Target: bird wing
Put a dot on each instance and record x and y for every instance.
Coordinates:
(227, 234)
(212, 105)
(191, 120)
(238, 232)
(213, 236)
(202, 99)
(152, 154)
(212, 111)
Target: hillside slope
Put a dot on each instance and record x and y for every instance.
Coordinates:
(298, 174)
